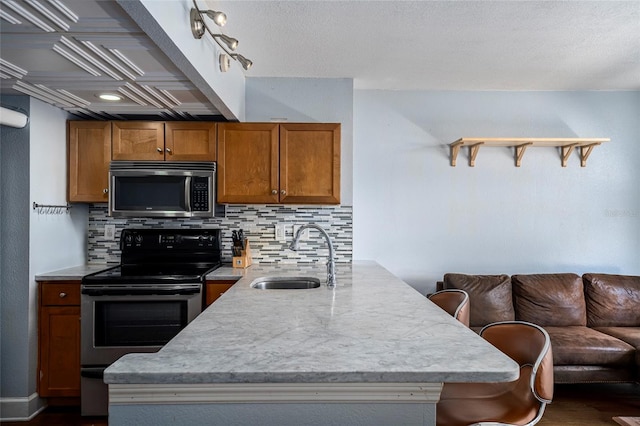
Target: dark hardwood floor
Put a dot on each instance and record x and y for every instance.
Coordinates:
(584, 405)
(592, 404)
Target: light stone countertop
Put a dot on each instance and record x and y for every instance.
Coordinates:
(72, 273)
(372, 328)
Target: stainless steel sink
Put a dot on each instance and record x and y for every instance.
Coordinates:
(285, 283)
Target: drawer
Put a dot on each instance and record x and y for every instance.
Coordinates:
(60, 294)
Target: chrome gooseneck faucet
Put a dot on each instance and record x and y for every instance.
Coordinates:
(331, 265)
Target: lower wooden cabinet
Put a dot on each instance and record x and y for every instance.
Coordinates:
(215, 289)
(59, 335)
(59, 339)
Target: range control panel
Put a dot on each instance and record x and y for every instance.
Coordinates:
(169, 239)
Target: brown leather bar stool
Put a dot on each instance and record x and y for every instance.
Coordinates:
(455, 302)
(521, 402)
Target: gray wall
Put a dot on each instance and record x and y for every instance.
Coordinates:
(33, 169)
(14, 256)
(420, 218)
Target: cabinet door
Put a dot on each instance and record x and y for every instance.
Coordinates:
(248, 163)
(138, 140)
(59, 339)
(89, 154)
(310, 163)
(215, 289)
(187, 141)
(59, 351)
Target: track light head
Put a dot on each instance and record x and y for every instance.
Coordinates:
(246, 63)
(218, 17)
(231, 42)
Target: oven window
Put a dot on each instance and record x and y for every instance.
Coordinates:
(145, 323)
(150, 193)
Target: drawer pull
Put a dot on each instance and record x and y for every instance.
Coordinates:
(62, 295)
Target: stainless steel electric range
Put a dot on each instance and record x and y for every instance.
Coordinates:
(143, 303)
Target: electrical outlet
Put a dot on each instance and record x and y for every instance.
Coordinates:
(279, 234)
(109, 232)
(305, 233)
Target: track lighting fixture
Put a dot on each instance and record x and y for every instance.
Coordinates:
(226, 43)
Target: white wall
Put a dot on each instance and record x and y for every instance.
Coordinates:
(420, 218)
(167, 24)
(56, 241)
(308, 100)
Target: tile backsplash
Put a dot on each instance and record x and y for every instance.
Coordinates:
(258, 223)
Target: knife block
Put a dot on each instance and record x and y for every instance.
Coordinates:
(244, 260)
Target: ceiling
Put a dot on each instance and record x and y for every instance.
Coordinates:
(115, 56)
(395, 45)
(443, 45)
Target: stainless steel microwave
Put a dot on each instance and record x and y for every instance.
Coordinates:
(162, 189)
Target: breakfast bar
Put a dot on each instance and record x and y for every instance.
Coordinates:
(371, 351)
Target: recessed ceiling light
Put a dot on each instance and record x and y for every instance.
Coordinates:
(110, 97)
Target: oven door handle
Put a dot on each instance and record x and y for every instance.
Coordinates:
(140, 290)
(92, 372)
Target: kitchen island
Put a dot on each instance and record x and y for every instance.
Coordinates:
(372, 351)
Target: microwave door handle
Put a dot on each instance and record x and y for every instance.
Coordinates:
(187, 193)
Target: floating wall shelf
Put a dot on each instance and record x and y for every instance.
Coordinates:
(521, 144)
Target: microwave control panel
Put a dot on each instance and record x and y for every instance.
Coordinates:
(200, 194)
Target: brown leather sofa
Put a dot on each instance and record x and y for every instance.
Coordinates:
(593, 321)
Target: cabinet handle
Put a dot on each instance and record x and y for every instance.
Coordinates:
(159, 149)
(62, 295)
(168, 150)
(104, 191)
(274, 191)
(283, 192)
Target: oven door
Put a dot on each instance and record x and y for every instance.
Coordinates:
(114, 324)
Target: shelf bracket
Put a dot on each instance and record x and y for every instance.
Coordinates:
(473, 152)
(455, 149)
(520, 149)
(585, 152)
(566, 152)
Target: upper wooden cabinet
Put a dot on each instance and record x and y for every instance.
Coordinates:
(187, 141)
(160, 141)
(138, 140)
(292, 163)
(89, 154)
(310, 163)
(93, 144)
(248, 163)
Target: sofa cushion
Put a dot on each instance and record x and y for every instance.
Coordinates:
(586, 346)
(631, 335)
(612, 300)
(549, 299)
(489, 297)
